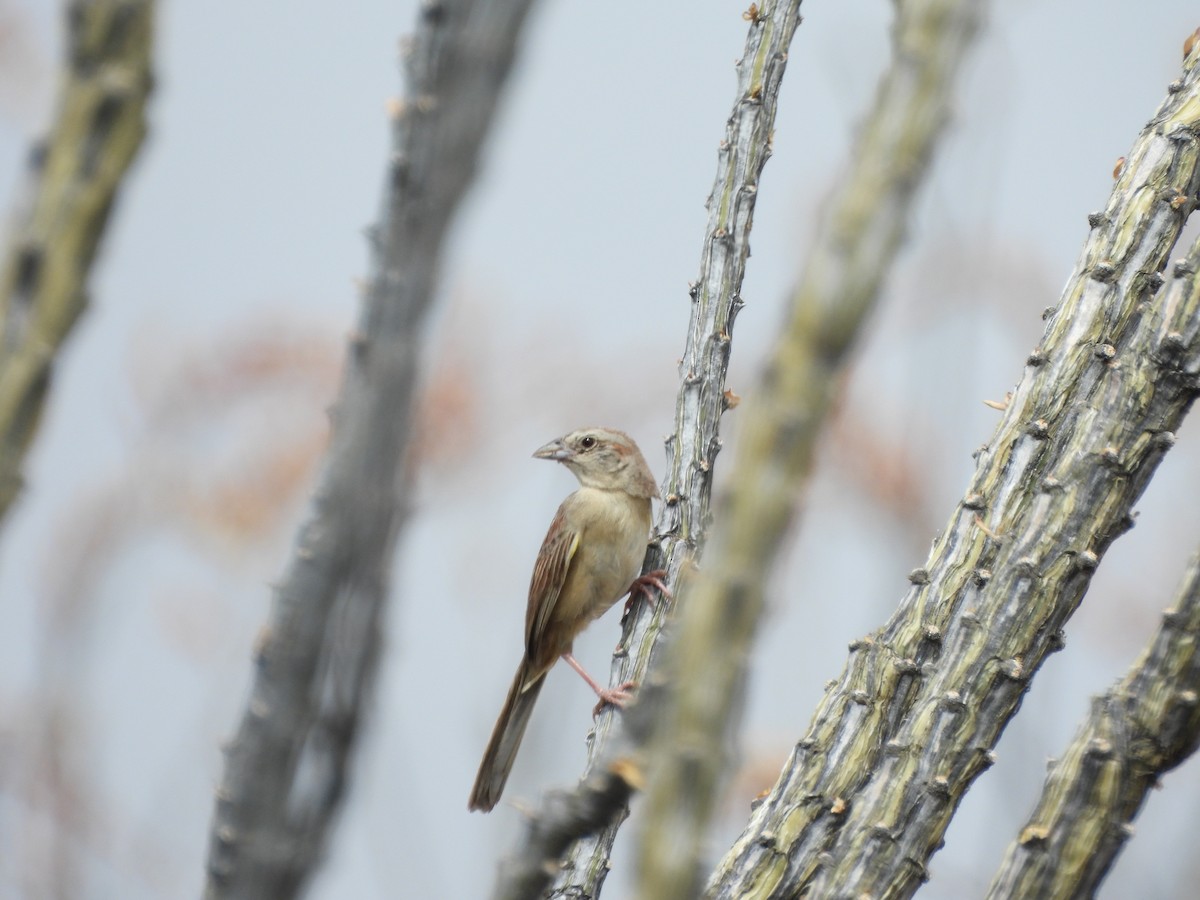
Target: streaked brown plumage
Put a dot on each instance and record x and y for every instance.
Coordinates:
(590, 558)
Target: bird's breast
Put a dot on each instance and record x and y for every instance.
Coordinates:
(614, 528)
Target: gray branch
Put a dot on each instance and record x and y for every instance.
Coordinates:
(74, 178)
(1146, 725)
(865, 798)
(691, 454)
(707, 661)
(286, 770)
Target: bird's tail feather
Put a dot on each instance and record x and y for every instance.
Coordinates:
(506, 739)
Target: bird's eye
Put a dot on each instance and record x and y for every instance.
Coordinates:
(588, 442)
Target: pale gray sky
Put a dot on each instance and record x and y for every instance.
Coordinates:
(566, 296)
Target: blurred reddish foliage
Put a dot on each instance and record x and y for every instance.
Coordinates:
(448, 413)
(233, 429)
(249, 502)
(893, 475)
(758, 772)
(222, 443)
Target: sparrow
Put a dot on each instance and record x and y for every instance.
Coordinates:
(589, 560)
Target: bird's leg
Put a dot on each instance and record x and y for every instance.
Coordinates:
(642, 584)
(617, 696)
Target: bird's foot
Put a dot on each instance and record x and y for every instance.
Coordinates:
(643, 584)
(618, 697)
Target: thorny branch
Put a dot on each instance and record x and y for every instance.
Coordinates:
(287, 768)
(707, 659)
(865, 798)
(74, 178)
(691, 454)
(1145, 725)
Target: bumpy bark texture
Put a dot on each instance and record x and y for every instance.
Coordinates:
(287, 768)
(708, 657)
(866, 796)
(1146, 725)
(73, 180)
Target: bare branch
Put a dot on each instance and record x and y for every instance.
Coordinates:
(1146, 725)
(691, 453)
(74, 177)
(706, 664)
(866, 796)
(286, 770)
(563, 817)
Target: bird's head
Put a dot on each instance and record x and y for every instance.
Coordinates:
(603, 458)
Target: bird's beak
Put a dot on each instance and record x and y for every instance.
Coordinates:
(555, 450)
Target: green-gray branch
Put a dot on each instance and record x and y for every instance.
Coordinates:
(614, 771)
(74, 178)
(866, 796)
(707, 659)
(1146, 725)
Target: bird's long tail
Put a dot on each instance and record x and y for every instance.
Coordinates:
(506, 739)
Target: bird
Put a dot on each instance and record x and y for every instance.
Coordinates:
(590, 559)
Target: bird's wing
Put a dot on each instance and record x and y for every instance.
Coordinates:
(549, 575)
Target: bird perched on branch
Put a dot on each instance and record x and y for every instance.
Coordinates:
(589, 560)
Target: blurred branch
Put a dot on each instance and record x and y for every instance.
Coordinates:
(1146, 725)
(562, 818)
(72, 184)
(691, 453)
(220, 505)
(707, 660)
(286, 769)
(866, 796)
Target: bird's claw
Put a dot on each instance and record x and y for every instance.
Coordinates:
(618, 697)
(642, 585)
